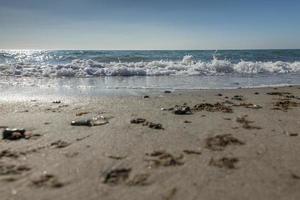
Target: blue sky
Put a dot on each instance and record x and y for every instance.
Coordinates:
(151, 24)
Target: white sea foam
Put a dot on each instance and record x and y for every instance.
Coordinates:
(188, 66)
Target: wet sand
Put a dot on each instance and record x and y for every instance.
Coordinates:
(231, 144)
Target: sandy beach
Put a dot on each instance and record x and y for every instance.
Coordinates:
(215, 144)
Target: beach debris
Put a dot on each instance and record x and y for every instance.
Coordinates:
(295, 176)
(153, 125)
(256, 93)
(33, 136)
(279, 93)
(116, 176)
(292, 97)
(23, 111)
(246, 123)
(15, 134)
(290, 134)
(82, 122)
(219, 142)
(188, 151)
(166, 109)
(182, 110)
(293, 134)
(138, 121)
(225, 162)
(286, 95)
(238, 98)
(146, 123)
(146, 97)
(116, 157)
(248, 105)
(11, 169)
(60, 144)
(167, 92)
(284, 105)
(187, 122)
(162, 158)
(138, 180)
(252, 106)
(47, 180)
(217, 107)
(219, 94)
(56, 102)
(95, 121)
(82, 113)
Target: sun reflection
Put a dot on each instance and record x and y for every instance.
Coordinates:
(23, 55)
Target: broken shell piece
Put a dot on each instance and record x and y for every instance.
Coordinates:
(96, 121)
(249, 105)
(254, 106)
(166, 109)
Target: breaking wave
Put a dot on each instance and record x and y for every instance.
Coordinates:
(187, 66)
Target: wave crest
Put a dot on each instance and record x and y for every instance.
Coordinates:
(188, 66)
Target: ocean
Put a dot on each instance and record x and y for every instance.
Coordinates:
(81, 72)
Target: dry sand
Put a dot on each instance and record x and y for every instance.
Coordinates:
(251, 153)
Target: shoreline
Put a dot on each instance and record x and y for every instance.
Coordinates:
(136, 85)
(232, 144)
(19, 95)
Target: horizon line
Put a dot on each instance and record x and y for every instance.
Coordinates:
(224, 49)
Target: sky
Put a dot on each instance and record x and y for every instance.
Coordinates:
(149, 24)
